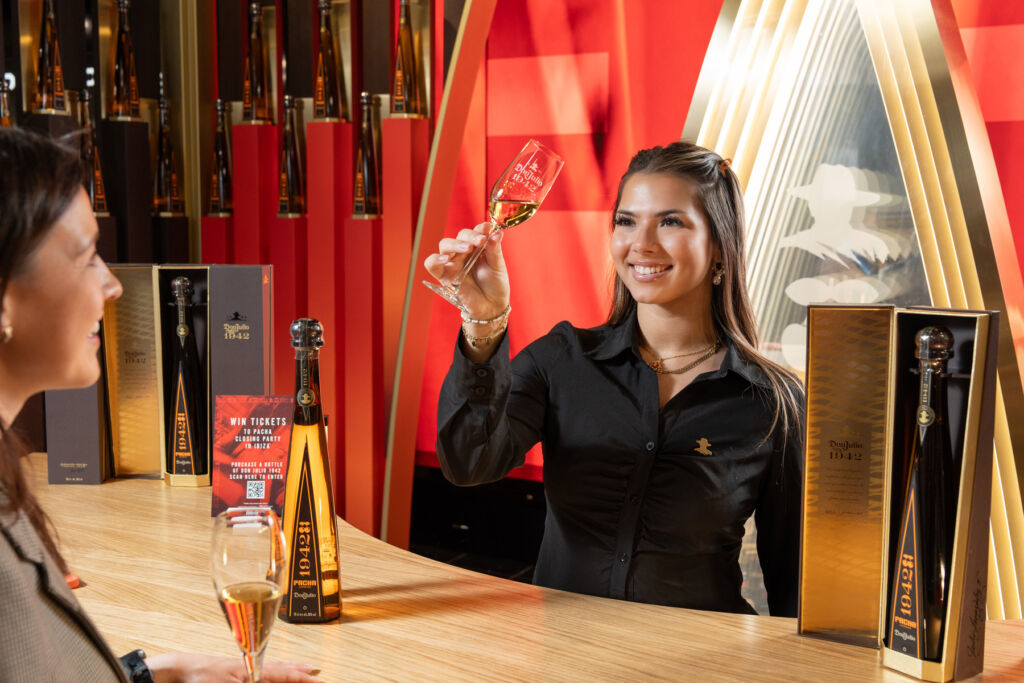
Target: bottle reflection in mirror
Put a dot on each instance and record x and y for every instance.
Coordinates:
(312, 588)
(329, 101)
(92, 169)
(220, 179)
(166, 190)
(186, 442)
(405, 89)
(920, 583)
(366, 191)
(6, 113)
(125, 100)
(255, 107)
(49, 71)
(290, 193)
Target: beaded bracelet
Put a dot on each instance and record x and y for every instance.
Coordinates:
(500, 318)
(477, 341)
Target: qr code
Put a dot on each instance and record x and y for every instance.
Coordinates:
(255, 489)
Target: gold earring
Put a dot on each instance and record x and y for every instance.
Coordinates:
(6, 332)
(717, 274)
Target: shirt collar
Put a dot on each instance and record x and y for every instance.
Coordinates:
(611, 340)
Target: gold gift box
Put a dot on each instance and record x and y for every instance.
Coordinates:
(232, 323)
(861, 395)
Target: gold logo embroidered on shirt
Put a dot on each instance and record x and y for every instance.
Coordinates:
(703, 446)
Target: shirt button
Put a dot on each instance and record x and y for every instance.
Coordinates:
(479, 391)
(623, 557)
(482, 372)
(650, 446)
(635, 500)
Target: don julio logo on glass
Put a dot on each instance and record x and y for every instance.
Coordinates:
(237, 328)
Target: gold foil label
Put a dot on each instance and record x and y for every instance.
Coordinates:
(184, 457)
(904, 629)
(305, 594)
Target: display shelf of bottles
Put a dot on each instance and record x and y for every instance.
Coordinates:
(362, 368)
(254, 151)
(328, 203)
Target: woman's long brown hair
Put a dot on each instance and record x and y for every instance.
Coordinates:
(39, 178)
(719, 193)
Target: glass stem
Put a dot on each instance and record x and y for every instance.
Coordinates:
(474, 256)
(254, 665)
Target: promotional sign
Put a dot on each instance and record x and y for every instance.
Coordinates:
(250, 451)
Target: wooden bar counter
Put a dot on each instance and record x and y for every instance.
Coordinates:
(141, 550)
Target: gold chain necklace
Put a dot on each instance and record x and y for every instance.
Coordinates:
(658, 364)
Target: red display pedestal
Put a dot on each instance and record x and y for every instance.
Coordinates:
(286, 252)
(404, 155)
(215, 239)
(255, 190)
(328, 204)
(364, 395)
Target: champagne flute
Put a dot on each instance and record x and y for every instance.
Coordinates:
(247, 556)
(515, 197)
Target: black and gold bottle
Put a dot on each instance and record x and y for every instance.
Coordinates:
(166, 190)
(921, 570)
(290, 191)
(255, 91)
(92, 169)
(49, 71)
(125, 101)
(186, 434)
(329, 102)
(313, 591)
(220, 178)
(405, 84)
(366, 190)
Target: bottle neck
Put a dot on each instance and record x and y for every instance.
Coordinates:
(184, 329)
(307, 387)
(931, 402)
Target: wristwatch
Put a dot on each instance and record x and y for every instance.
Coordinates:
(135, 666)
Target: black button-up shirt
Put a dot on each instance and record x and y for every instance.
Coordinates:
(644, 503)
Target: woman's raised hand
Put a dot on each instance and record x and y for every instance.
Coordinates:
(485, 291)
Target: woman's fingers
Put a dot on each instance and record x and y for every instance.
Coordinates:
(436, 264)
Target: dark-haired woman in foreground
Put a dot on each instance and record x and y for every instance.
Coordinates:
(53, 286)
(664, 429)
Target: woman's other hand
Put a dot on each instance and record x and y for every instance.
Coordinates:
(485, 290)
(180, 667)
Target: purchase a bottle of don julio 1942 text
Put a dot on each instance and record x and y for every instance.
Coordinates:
(313, 591)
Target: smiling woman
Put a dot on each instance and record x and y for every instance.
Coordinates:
(663, 430)
(53, 286)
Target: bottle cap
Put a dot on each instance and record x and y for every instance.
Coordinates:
(122, 4)
(182, 286)
(325, 4)
(288, 102)
(307, 333)
(365, 98)
(254, 9)
(934, 343)
(219, 105)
